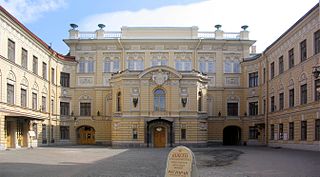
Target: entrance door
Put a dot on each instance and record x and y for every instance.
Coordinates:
(86, 135)
(231, 135)
(159, 137)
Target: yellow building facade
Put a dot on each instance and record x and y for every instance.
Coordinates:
(159, 87)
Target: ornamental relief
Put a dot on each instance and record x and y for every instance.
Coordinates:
(160, 77)
(85, 81)
(159, 55)
(207, 55)
(182, 55)
(111, 54)
(135, 55)
(229, 56)
(232, 81)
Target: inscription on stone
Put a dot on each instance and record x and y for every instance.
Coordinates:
(181, 163)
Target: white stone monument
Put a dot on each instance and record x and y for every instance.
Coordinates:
(181, 163)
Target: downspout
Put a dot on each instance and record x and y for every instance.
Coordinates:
(267, 102)
(122, 54)
(194, 67)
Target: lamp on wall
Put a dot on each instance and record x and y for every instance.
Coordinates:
(219, 114)
(184, 102)
(135, 101)
(98, 113)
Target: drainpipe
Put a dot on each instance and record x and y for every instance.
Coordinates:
(267, 103)
(195, 53)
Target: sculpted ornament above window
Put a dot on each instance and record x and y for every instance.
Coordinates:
(160, 77)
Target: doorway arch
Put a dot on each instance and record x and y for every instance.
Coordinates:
(159, 133)
(231, 135)
(86, 135)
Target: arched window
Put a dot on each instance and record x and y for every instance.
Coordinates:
(159, 100)
(119, 102)
(200, 101)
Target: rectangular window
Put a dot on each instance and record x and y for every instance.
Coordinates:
(10, 94)
(272, 132)
(85, 109)
(24, 58)
(44, 70)
(303, 50)
(280, 131)
(64, 133)
(281, 101)
(281, 66)
(82, 65)
(317, 42)
(23, 98)
(52, 106)
(231, 66)
(90, 66)
(291, 131)
(44, 104)
(134, 133)
(35, 129)
(64, 108)
(264, 75)
(207, 66)
(253, 108)
(35, 65)
(317, 130)
(52, 76)
(183, 133)
(291, 58)
(272, 105)
(304, 94)
(272, 70)
(317, 90)
(233, 109)
(44, 134)
(65, 79)
(264, 106)
(11, 50)
(303, 130)
(159, 62)
(253, 79)
(34, 101)
(253, 132)
(291, 98)
(183, 65)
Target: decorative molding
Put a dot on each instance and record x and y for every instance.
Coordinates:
(160, 77)
(232, 81)
(85, 81)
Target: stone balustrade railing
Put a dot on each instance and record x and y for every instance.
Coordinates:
(101, 34)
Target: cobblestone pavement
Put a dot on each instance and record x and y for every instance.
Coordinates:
(93, 161)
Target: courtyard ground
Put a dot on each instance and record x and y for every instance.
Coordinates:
(95, 161)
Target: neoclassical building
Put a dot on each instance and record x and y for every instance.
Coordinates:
(160, 87)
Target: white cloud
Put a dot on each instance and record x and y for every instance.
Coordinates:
(267, 20)
(30, 10)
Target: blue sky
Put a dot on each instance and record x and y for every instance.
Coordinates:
(50, 19)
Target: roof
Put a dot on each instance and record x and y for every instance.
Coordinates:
(292, 27)
(46, 46)
(252, 57)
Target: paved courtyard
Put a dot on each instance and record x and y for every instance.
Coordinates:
(93, 161)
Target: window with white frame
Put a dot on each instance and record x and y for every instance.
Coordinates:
(111, 65)
(86, 66)
(232, 66)
(183, 65)
(135, 64)
(207, 65)
(159, 62)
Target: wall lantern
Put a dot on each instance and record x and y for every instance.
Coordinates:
(135, 102)
(184, 102)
